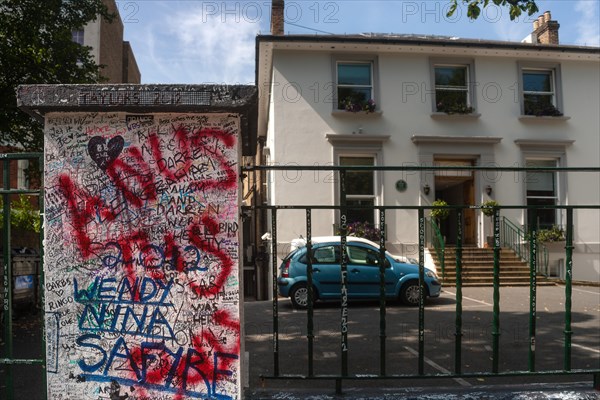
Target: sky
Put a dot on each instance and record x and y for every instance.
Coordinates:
(194, 41)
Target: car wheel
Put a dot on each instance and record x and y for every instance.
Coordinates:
(410, 293)
(299, 296)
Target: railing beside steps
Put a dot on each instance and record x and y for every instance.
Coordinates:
(516, 239)
(435, 239)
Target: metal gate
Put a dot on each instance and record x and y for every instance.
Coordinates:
(11, 271)
(500, 237)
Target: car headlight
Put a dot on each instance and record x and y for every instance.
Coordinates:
(431, 274)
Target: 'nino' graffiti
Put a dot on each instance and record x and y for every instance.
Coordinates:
(141, 239)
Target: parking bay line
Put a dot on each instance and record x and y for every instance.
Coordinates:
(432, 363)
(587, 291)
(580, 346)
(471, 299)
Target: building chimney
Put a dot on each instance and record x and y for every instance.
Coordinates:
(545, 30)
(277, 12)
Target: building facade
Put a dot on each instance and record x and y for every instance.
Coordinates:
(109, 49)
(397, 100)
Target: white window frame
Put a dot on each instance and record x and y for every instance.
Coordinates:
(377, 195)
(469, 66)
(358, 60)
(555, 82)
(560, 184)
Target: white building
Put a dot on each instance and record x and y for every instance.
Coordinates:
(438, 101)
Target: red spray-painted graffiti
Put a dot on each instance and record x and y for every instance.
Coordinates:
(192, 261)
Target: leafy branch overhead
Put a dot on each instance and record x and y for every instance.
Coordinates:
(36, 47)
(516, 7)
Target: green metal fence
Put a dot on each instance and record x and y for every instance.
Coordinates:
(8, 191)
(344, 329)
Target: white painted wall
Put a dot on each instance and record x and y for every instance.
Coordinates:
(301, 117)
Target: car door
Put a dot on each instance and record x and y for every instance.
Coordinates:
(363, 272)
(326, 270)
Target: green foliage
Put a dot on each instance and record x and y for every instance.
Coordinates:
(554, 234)
(36, 48)
(22, 215)
(439, 213)
(515, 7)
(487, 207)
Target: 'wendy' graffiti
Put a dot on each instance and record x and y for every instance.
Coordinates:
(141, 251)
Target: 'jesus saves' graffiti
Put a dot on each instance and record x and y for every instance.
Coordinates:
(141, 227)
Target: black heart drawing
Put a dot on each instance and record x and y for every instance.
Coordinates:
(105, 153)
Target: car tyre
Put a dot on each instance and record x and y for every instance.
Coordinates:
(299, 296)
(409, 294)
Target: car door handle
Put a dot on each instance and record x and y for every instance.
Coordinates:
(355, 270)
(316, 270)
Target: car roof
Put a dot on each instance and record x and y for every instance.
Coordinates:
(301, 242)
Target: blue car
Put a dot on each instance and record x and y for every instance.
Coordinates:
(363, 260)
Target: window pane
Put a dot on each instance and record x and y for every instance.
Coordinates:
(327, 255)
(541, 183)
(359, 182)
(544, 218)
(538, 104)
(353, 95)
(366, 215)
(354, 74)
(445, 99)
(451, 76)
(537, 81)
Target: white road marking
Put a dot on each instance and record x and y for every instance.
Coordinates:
(443, 370)
(487, 347)
(471, 299)
(586, 291)
(581, 347)
(328, 354)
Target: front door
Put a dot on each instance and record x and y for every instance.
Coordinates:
(457, 188)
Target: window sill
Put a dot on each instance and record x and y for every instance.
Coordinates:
(443, 115)
(358, 114)
(527, 118)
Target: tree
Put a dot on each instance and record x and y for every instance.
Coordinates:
(36, 47)
(516, 7)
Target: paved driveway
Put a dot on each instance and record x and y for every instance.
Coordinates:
(402, 334)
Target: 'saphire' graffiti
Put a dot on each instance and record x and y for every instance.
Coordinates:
(141, 252)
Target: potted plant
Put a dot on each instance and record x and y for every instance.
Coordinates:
(488, 208)
(439, 214)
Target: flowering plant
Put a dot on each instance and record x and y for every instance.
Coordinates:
(354, 106)
(454, 108)
(362, 229)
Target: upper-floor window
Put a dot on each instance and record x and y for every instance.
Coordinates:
(452, 88)
(355, 85)
(452, 82)
(540, 90)
(77, 36)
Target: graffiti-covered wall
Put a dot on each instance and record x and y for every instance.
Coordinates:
(141, 256)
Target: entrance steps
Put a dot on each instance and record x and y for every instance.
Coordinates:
(478, 268)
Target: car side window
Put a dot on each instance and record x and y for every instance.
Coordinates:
(363, 256)
(327, 255)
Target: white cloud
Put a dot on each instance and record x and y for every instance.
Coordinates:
(180, 42)
(588, 26)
